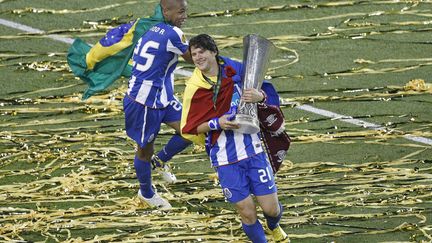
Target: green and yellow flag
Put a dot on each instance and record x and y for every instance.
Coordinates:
(99, 66)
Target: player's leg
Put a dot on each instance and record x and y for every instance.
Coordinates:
(143, 169)
(273, 210)
(174, 146)
(235, 187)
(250, 223)
(265, 190)
(142, 126)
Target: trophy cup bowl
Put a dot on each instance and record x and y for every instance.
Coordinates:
(256, 58)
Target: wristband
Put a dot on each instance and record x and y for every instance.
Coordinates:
(265, 97)
(214, 124)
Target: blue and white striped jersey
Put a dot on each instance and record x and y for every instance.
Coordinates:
(232, 146)
(154, 60)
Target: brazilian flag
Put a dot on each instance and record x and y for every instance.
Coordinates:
(99, 66)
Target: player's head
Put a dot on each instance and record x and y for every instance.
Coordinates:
(204, 51)
(174, 11)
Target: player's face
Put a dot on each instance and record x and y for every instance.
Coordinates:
(203, 59)
(176, 14)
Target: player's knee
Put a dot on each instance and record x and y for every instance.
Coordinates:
(144, 154)
(272, 211)
(143, 157)
(247, 213)
(248, 216)
(175, 125)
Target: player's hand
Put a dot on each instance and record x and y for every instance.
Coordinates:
(252, 95)
(225, 124)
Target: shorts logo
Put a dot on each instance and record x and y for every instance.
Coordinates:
(227, 193)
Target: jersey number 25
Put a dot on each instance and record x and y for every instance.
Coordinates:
(144, 54)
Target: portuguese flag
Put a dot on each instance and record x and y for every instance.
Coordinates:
(198, 106)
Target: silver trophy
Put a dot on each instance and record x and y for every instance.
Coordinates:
(256, 57)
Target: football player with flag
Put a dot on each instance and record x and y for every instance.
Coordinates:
(154, 44)
(210, 101)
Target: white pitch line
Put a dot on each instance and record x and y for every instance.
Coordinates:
(418, 139)
(358, 122)
(340, 117)
(186, 73)
(29, 29)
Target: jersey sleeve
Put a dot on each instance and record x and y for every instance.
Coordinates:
(177, 42)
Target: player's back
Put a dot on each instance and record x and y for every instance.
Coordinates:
(154, 60)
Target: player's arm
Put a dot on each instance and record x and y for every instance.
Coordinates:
(219, 123)
(187, 57)
(179, 44)
(203, 128)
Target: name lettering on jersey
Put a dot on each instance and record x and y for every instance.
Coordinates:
(157, 30)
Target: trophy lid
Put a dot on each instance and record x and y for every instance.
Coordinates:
(256, 59)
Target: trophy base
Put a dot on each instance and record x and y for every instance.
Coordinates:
(248, 124)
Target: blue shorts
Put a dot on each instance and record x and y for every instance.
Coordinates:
(143, 123)
(253, 175)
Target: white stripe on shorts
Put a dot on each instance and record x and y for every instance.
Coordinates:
(144, 124)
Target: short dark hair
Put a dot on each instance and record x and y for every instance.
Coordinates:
(203, 41)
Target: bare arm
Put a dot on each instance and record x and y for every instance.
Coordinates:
(187, 57)
(223, 122)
